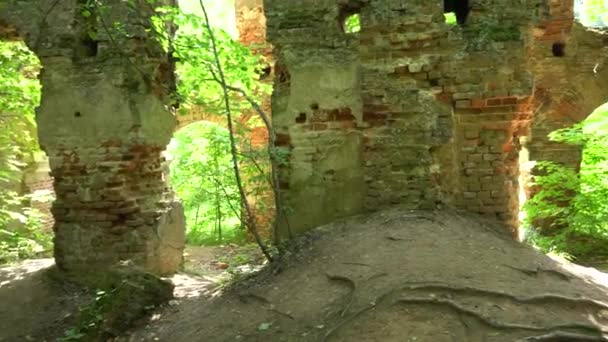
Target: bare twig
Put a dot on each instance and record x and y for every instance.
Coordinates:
(218, 183)
(272, 155)
(251, 222)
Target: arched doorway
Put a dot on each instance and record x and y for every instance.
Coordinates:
(201, 174)
(26, 188)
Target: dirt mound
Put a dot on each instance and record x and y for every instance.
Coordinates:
(400, 276)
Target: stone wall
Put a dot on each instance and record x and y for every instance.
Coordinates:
(414, 112)
(569, 85)
(409, 111)
(103, 121)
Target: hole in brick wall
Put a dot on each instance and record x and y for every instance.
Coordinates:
(265, 72)
(352, 24)
(349, 17)
(558, 49)
(456, 11)
(89, 47)
(77, 114)
(301, 118)
(283, 77)
(314, 106)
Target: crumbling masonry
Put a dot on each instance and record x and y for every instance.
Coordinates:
(103, 122)
(409, 111)
(413, 112)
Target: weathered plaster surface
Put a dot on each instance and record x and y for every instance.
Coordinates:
(103, 122)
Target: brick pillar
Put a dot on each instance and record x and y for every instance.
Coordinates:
(103, 122)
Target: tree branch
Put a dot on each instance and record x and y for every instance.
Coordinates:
(251, 222)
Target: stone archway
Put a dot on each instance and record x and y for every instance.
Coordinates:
(103, 121)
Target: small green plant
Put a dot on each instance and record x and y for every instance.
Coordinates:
(90, 319)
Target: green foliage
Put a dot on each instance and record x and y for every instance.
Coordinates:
(28, 241)
(90, 318)
(450, 18)
(593, 13)
(20, 229)
(571, 206)
(200, 86)
(202, 176)
(196, 69)
(352, 24)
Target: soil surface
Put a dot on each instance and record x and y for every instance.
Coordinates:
(391, 276)
(399, 276)
(35, 305)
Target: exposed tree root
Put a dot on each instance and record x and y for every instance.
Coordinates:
(539, 270)
(351, 295)
(560, 336)
(356, 264)
(246, 297)
(543, 298)
(495, 323)
(560, 332)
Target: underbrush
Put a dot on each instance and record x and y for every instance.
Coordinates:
(28, 241)
(569, 212)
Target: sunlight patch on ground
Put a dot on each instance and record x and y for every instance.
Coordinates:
(11, 273)
(588, 274)
(187, 286)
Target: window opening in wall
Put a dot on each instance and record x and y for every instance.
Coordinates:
(450, 18)
(352, 23)
(456, 11)
(349, 17)
(591, 13)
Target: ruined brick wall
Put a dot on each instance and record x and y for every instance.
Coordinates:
(414, 112)
(571, 79)
(103, 122)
